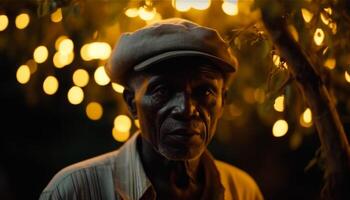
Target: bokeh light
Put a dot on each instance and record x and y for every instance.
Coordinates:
(280, 128)
(122, 123)
(132, 12)
(23, 74)
(95, 50)
(347, 76)
(56, 16)
(318, 37)
(279, 104)
(80, 77)
(40, 54)
(306, 118)
(75, 95)
(22, 20)
(181, 5)
(201, 5)
(101, 76)
(118, 88)
(50, 85)
(120, 136)
(307, 15)
(4, 21)
(94, 111)
(230, 7)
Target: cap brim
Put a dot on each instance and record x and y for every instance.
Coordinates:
(224, 65)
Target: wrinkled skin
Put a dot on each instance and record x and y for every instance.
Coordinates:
(178, 104)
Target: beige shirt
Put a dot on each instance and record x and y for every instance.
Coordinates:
(120, 175)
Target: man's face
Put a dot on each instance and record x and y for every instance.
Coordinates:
(178, 107)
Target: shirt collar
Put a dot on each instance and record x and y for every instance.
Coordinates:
(132, 183)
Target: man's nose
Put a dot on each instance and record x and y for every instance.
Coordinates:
(184, 106)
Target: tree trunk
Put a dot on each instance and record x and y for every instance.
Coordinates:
(334, 144)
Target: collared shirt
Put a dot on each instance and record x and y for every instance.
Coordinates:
(120, 175)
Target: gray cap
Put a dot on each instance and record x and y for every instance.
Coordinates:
(164, 40)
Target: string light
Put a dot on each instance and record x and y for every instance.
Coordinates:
(95, 50)
(61, 60)
(181, 5)
(57, 16)
(65, 46)
(4, 21)
(23, 74)
(94, 111)
(120, 136)
(132, 12)
(280, 128)
(40, 54)
(146, 13)
(330, 63)
(307, 15)
(101, 76)
(22, 21)
(80, 77)
(118, 88)
(50, 85)
(75, 95)
(347, 76)
(230, 7)
(318, 37)
(201, 5)
(122, 123)
(279, 104)
(306, 118)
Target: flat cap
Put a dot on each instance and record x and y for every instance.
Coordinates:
(166, 39)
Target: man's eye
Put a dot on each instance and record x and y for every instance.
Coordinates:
(160, 90)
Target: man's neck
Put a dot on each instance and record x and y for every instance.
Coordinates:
(177, 179)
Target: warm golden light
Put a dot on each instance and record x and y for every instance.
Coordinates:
(75, 95)
(118, 88)
(132, 12)
(306, 118)
(333, 27)
(4, 22)
(156, 18)
(276, 59)
(122, 123)
(101, 76)
(23, 74)
(147, 13)
(280, 128)
(293, 31)
(347, 76)
(95, 50)
(230, 7)
(61, 60)
(33, 66)
(307, 15)
(50, 85)
(120, 136)
(137, 123)
(65, 46)
(94, 111)
(59, 40)
(80, 77)
(325, 19)
(56, 16)
(279, 104)
(330, 63)
(201, 4)
(318, 37)
(181, 5)
(22, 21)
(40, 54)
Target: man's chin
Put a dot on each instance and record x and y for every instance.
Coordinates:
(179, 154)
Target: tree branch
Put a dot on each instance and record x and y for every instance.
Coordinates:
(334, 143)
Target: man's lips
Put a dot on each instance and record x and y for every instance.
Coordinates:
(184, 132)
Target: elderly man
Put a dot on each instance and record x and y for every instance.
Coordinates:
(175, 74)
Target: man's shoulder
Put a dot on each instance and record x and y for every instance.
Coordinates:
(88, 173)
(238, 181)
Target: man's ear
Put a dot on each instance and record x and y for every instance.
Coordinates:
(129, 98)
